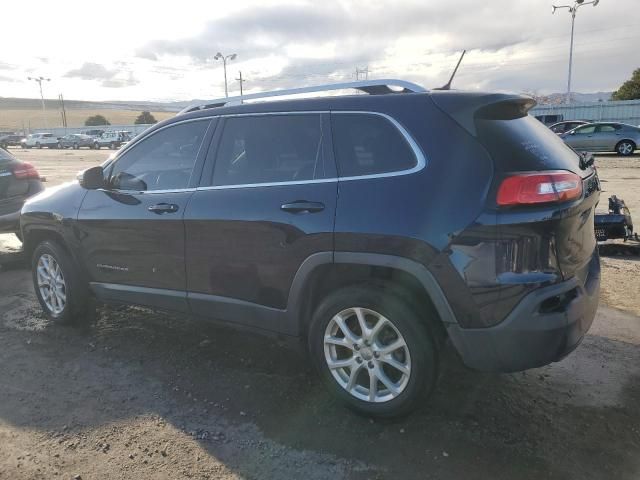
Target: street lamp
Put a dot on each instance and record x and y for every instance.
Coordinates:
(40, 80)
(224, 59)
(573, 9)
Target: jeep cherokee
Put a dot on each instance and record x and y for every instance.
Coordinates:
(375, 227)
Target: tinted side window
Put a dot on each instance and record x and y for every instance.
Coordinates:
(162, 161)
(608, 128)
(270, 148)
(366, 144)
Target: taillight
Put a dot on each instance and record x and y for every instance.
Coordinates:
(25, 170)
(533, 188)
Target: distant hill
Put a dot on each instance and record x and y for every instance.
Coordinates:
(556, 98)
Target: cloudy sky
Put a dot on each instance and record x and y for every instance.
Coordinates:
(136, 50)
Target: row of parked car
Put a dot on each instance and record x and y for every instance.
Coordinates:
(94, 139)
(586, 136)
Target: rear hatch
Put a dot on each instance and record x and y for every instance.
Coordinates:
(544, 237)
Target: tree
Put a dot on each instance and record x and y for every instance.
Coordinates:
(96, 120)
(630, 90)
(145, 118)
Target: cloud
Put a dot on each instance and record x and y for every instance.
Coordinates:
(4, 78)
(109, 78)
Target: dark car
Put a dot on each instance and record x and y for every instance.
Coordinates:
(562, 127)
(18, 181)
(12, 140)
(75, 141)
(375, 227)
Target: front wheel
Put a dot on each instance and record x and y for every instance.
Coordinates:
(96, 146)
(625, 148)
(373, 351)
(38, 144)
(58, 283)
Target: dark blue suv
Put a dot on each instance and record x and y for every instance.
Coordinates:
(376, 227)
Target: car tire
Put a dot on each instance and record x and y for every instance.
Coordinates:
(23, 145)
(38, 145)
(112, 146)
(96, 146)
(4, 146)
(397, 379)
(625, 148)
(58, 284)
(76, 146)
(58, 145)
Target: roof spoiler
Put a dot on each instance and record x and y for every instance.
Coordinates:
(465, 108)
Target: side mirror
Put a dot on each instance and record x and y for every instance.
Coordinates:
(92, 178)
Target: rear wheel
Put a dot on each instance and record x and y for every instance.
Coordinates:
(59, 145)
(373, 351)
(58, 283)
(38, 144)
(625, 148)
(76, 146)
(96, 146)
(112, 146)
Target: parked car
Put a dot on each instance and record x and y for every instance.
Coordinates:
(39, 140)
(75, 141)
(562, 127)
(375, 227)
(18, 181)
(604, 137)
(94, 132)
(12, 140)
(111, 140)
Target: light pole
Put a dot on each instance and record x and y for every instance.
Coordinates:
(573, 9)
(224, 59)
(40, 80)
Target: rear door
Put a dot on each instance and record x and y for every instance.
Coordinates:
(131, 232)
(266, 203)
(607, 136)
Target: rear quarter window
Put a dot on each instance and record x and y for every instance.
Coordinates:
(369, 144)
(524, 144)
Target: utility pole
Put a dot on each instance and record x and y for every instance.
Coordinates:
(224, 59)
(40, 80)
(63, 111)
(241, 80)
(573, 9)
(363, 71)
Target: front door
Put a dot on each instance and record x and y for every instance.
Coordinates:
(131, 232)
(582, 138)
(266, 205)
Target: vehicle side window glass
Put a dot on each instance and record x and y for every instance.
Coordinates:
(366, 144)
(270, 148)
(558, 128)
(585, 130)
(162, 161)
(607, 128)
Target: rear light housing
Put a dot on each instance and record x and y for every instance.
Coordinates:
(25, 171)
(540, 187)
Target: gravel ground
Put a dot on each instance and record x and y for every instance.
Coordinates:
(141, 394)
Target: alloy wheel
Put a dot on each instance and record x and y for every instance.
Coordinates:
(51, 284)
(367, 355)
(625, 148)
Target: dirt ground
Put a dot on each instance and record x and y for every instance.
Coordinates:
(141, 394)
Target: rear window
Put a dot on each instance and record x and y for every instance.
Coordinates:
(524, 144)
(367, 144)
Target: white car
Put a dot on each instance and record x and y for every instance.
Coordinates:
(39, 140)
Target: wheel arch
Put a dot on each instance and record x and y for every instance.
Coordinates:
(324, 272)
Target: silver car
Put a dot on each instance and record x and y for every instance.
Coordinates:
(604, 137)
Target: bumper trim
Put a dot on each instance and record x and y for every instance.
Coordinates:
(528, 338)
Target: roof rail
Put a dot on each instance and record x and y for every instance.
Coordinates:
(372, 87)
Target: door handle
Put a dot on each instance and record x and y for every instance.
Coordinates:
(301, 206)
(161, 208)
